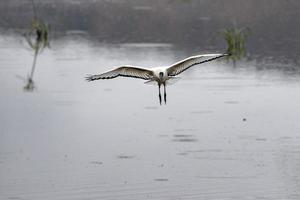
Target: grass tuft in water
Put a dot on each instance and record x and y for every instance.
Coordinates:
(236, 39)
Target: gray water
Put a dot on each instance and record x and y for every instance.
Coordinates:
(225, 133)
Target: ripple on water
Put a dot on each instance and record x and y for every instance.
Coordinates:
(151, 107)
(205, 151)
(146, 45)
(107, 89)
(201, 112)
(261, 139)
(163, 135)
(231, 102)
(226, 177)
(185, 130)
(125, 157)
(14, 198)
(96, 162)
(184, 138)
(161, 179)
(182, 154)
(65, 103)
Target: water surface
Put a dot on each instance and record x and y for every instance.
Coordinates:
(226, 133)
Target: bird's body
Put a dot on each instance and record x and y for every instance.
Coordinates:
(156, 74)
(161, 75)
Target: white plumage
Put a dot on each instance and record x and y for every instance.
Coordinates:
(159, 74)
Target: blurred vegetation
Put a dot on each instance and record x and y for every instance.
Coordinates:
(236, 39)
(38, 39)
(166, 21)
(37, 36)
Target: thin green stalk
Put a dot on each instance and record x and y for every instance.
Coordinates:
(34, 63)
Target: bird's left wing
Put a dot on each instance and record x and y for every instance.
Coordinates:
(126, 71)
(183, 65)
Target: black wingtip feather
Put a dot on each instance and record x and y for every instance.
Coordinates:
(227, 54)
(89, 78)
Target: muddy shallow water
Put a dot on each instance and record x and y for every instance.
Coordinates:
(225, 133)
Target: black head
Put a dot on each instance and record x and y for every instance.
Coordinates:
(161, 74)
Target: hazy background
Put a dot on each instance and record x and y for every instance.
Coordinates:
(187, 23)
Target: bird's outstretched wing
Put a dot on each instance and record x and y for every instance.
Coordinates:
(183, 65)
(126, 71)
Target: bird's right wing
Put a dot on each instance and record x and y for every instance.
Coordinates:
(125, 71)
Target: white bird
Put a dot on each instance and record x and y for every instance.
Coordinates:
(161, 75)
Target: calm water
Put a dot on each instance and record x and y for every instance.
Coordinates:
(226, 133)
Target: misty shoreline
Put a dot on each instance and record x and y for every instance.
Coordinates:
(273, 26)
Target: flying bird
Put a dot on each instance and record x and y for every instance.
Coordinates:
(160, 75)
